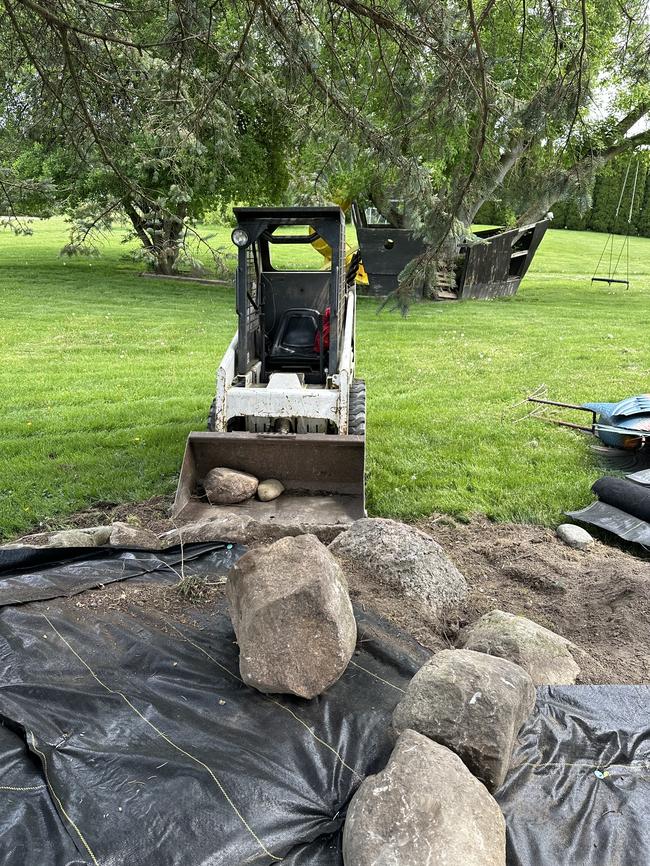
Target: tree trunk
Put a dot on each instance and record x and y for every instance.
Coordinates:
(161, 236)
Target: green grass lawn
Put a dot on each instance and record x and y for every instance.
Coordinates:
(104, 373)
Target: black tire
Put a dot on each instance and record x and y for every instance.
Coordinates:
(212, 416)
(357, 408)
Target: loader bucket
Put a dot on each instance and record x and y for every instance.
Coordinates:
(323, 476)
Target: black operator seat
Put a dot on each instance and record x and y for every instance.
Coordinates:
(295, 335)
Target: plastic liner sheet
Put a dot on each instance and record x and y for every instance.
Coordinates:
(127, 737)
(614, 520)
(642, 477)
(147, 748)
(32, 574)
(578, 792)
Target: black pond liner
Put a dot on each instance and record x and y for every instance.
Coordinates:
(128, 737)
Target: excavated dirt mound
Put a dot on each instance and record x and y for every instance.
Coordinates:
(598, 598)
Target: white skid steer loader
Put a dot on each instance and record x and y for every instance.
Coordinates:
(287, 405)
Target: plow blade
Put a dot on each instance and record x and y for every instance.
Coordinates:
(323, 476)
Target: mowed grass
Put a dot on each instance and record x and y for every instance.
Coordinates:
(104, 373)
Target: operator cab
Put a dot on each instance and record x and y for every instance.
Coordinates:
(290, 318)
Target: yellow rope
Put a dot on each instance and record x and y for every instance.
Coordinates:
(271, 700)
(56, 797)
(169, 741)
(377, 677)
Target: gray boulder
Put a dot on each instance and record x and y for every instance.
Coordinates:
(424, 809)
(227, 486)
(237, 528)
(269, 489)
(404, 558)
(545, 655)
(292, 615)
(70, 538)
(100, 534)
(472, 703)
(242, 529)
(123, 535)
(574, 536)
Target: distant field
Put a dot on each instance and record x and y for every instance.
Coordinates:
(104, 373)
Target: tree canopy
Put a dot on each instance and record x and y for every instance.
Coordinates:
(425, 109)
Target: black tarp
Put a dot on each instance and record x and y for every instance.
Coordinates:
(578, 792)
(128, 738)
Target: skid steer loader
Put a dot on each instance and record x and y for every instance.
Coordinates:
(287, 405)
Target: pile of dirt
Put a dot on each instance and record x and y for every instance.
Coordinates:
(150, 514)
(598, 598)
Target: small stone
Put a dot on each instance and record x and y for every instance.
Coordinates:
(228, 486)
(292, 616)
(269, 489)
(472, 703)
(424, 809)
(574, 536)
(123, 535)
(543, 653)
(70, 538)
(404, 559)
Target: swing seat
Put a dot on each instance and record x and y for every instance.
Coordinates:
(609, 280)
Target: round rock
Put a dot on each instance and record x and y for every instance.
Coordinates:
(545, 655)
(292, 616)
(405, 560)
(424, 809)
(228, 486)
(269, 489)
(574, 536)
(123, 535)
(71, 538)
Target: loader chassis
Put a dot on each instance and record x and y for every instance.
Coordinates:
(286, 404)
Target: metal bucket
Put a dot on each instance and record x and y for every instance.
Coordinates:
(323, 476)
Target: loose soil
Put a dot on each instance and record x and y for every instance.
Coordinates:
(598, 598)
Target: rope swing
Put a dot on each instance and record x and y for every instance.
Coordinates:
(625, 246)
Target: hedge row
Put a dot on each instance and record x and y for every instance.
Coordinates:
(601, 216)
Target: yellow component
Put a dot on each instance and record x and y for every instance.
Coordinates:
(323, 248)
(326, 252)
(362, 276)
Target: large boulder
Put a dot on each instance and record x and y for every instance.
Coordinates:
(70, 538)
(237, 528)
(292, 615)
(424, 809)
(404, 558)
(228, 486)
(123, 535)
(242, 529)
(545, 655)
(472, 703)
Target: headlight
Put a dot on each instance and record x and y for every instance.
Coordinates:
(239, 238)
